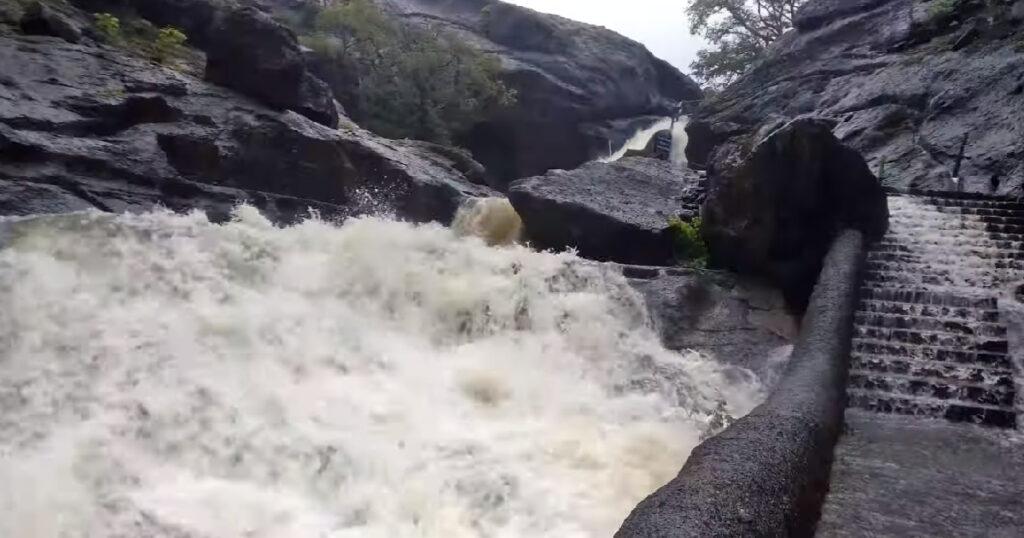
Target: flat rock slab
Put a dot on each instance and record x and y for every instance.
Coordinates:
(904, 476)
(607, 211)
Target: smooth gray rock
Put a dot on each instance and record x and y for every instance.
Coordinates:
(774, 210)
(886, 72)
(607, 211)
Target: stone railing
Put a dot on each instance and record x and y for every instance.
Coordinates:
(767, 474)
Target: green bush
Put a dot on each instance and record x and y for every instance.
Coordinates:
(108, 27)
(169, 44)
(942, 9)
(407, 83)
(688, 244)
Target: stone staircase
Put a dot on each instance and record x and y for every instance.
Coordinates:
(928, 340)
(931, 446)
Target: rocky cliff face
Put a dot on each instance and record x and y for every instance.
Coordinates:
(906, 80)
(575, 82)
(85, 125)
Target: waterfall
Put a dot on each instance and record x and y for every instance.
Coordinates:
(642, 137)
(161, 375)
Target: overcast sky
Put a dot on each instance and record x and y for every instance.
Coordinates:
(658, 24)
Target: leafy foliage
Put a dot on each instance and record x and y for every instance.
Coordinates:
(942, 8)
(414, 83)
(108, 27)
(688, 243)
(739, 30)
(169, 44)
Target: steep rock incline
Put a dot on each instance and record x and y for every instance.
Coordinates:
(89, 126)
(572, 80)
(905, 79)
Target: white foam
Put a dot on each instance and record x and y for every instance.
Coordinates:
(161, 375)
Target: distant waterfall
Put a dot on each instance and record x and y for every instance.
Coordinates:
(643, 136)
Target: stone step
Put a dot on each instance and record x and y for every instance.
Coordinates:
(921, 368)
(882, 402)
(924, 236)
(928, 297)
(971, 357)
(998, 396)
(966, 251)
(980, 282)
(948, 214)
(932, 338)
(1008, 260)
(934, 324)
(943, 265)
(943, 224)
(926, 310)
(961, 244)
(908, 279)
(989, 204)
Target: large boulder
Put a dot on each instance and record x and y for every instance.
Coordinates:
(577, 84)
(773, 209)
(246, 50)
(607, 211)
(906, 81)
(255, 55)
(110, 131)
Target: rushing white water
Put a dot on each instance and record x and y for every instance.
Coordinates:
(164, 376)
(642, 137)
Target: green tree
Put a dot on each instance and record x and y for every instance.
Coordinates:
(414, 83)
(739, 31)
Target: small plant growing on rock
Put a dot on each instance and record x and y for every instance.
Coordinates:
(942, 9)
(169, 44)
(688, 244)
(108, 27)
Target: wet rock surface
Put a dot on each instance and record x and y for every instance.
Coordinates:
(577, 84)
(774, 209)
(118, 133)
(246, 50)
(735, 320)
(615, 211)
(904, 80)
(903, 476)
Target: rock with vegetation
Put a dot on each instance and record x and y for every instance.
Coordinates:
(906, 82)
(618, 211)
(575, 86)
(246, 50)
(91, 126)
(402, 81)
(774, 205)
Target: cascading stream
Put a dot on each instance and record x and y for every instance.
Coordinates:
(164, 376)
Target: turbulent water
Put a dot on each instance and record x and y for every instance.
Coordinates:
(164, 376)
